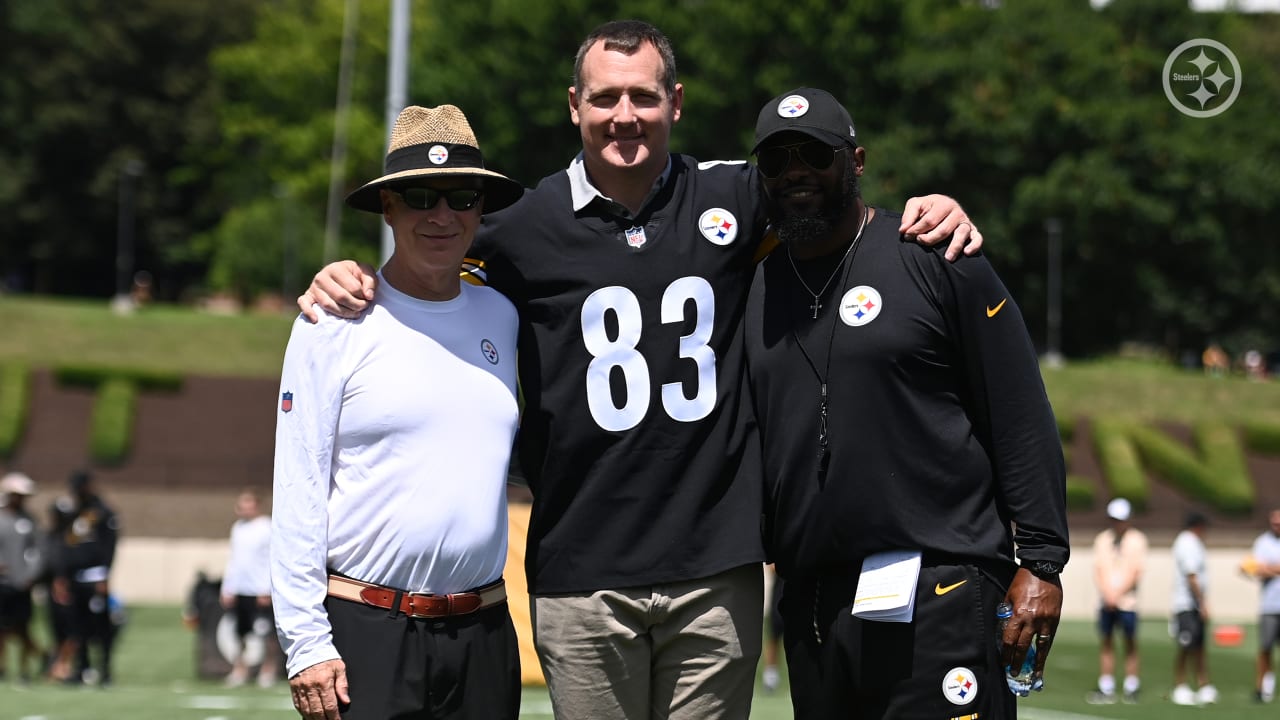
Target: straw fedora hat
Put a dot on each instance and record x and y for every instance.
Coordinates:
(434, 142)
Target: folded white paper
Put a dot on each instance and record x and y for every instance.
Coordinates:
(887, 586)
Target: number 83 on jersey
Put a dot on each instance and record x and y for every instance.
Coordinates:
(621, 352)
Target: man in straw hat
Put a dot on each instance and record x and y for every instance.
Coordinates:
(629, 269)
(21, 564)
(393, 434)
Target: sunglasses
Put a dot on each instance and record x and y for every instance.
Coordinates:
(773, 160)
(422, 198)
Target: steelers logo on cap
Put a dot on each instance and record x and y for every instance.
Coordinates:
(793, 106)
(438, 154)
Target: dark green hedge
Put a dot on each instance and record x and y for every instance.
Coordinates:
(1080, 493)
(1218, 477)
(111, 427)
(15, 400)
(1119, 461)
(1262, 437)
(95, 375)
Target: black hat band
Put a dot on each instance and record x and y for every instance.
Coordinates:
(420, 157)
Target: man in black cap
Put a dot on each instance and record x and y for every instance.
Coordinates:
(904, 426)
(82, 550)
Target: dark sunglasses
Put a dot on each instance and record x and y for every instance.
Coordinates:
(818, 155)
(422, 198)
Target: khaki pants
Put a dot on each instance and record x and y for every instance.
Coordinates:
(680, 651)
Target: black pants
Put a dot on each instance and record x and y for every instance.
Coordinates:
(398, 668)
(943, 664)
(90, 625)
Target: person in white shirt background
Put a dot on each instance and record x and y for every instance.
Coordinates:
(1191, 613)
(1263, 564)
(246, 592)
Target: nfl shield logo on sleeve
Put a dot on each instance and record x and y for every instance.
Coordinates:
(286, 401)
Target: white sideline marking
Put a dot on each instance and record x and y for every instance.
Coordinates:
(1027, 713)
(212, 702)
(227, 702)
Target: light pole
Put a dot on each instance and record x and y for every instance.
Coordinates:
(125, 211)
(397, 88)
(1053, 350)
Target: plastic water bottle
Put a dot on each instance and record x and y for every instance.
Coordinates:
(1023, 681)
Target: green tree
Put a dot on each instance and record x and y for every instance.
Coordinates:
(87, 89)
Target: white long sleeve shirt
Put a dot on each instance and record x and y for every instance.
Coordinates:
(248, 572)
(393, 436)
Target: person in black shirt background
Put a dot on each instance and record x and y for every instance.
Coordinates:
(82, 549)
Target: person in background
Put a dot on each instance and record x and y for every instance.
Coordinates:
(1190, 606)
(82, 549)
(1263, 564)
(21, 565)
(1119, 556)
(246, 590)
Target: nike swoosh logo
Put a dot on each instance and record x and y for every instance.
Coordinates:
(940, 590)
(991, 311)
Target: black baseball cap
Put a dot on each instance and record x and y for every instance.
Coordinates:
(810, 111)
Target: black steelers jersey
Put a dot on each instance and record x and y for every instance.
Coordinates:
(630, 362)
(939, 431)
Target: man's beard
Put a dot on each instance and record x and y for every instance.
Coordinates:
(799, 230)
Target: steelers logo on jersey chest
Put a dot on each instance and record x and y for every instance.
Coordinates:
(718, 225)
(860, 305)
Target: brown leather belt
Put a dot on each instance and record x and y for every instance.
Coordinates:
(418, 605)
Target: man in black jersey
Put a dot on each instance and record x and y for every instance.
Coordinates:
(904, 426)
(629, 270)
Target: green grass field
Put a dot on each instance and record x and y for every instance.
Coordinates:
(155, 680)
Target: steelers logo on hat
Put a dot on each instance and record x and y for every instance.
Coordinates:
(438, 154)
(793, 106)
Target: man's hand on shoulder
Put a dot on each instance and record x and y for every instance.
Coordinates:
(343, 288)
(930, 219)
(319, 689)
